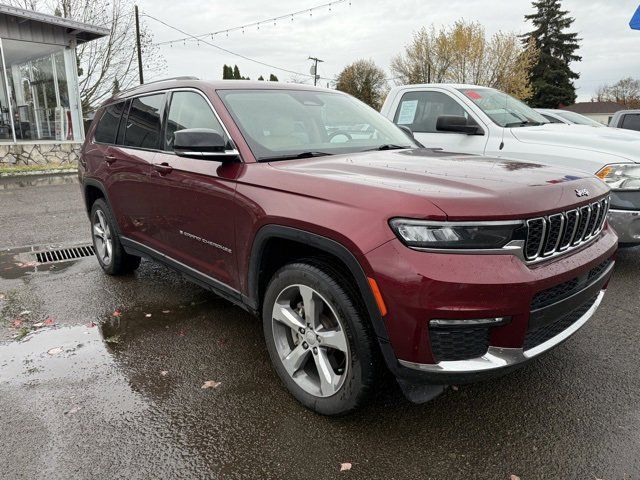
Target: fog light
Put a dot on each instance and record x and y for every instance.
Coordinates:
(469, 322)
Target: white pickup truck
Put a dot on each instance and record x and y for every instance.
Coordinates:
(480, 120)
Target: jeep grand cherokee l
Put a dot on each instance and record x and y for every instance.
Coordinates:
(359, 252)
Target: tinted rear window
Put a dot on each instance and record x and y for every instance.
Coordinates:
(143, 122)
(631, 121)
(108, 125)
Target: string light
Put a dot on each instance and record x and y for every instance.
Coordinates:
(257, 24)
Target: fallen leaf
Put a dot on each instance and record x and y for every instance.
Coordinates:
(166, 311)
(17, 323)
(71, 411)
(148, 315)
(49, 321)
(117, 312)
(181, 332)
(454, 388)
(210, 384)
(1, 296)
(90, 324)
(345, 466)
(113, 339)
(164, 373)
(24, 313)
(38, 325)
(514, 477)
(55, 351)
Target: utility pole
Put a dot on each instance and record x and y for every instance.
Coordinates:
(314, 69)
(138, 45)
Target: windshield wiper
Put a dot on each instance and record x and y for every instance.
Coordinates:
(524, 123)
(388, 146)
(295, 156)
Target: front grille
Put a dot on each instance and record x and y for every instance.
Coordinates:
(458, 343)
(568, 288)
(563, 231)
(543, 333)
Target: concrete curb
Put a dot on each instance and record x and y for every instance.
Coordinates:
(28, 173)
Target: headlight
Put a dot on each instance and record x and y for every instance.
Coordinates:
(457, 235)
(621, 176)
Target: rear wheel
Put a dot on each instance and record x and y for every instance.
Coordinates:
(318, 340)
(106, 242)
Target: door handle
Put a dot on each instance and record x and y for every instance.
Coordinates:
(163, 168)
(109, 159)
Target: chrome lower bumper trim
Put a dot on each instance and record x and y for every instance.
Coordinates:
(626, 223)
(497, 357)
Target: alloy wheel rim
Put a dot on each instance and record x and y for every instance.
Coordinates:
(102, 238)
(310, 340)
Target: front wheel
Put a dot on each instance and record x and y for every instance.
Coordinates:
(319, 343)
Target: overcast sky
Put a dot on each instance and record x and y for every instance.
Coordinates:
(377, 29)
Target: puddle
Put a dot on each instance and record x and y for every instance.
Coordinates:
(16, 263)
(54, 354)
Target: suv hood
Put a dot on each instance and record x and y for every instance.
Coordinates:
(614, 141)
(461, 186)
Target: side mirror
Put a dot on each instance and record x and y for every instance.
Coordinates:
(458, 124)
(202, 143)
(409, 134)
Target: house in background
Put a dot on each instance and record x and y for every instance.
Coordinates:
(40, 108)
(599, 111)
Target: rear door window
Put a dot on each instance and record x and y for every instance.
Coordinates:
(631, 121)
(108, 124)
(189, 110)
(143, 122)
(420, 110)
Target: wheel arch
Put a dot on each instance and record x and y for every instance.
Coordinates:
(259, 268)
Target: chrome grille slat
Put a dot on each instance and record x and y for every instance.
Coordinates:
(563, 231)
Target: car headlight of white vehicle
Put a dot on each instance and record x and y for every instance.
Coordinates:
(621, 176)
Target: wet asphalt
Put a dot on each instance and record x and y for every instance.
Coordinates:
(98, 395)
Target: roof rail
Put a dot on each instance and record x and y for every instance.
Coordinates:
(136, 87)
(186, 77)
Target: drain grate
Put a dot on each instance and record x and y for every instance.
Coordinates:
(64, 254)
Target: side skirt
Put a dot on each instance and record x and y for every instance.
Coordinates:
(219, 288)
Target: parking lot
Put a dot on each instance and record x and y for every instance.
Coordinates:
(113, 387)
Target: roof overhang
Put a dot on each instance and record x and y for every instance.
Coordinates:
(83, 32)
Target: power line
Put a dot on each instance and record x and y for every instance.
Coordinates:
(206, 42)
(256, 24)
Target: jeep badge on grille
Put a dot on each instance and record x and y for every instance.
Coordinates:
(582, 192)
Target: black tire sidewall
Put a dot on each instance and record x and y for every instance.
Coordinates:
(356, 386)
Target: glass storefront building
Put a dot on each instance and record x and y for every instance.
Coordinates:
(39, 91)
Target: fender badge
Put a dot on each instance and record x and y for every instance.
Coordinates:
(582, 192)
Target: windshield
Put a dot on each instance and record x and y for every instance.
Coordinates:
(503, 109)
(578, 119)
(284, 124)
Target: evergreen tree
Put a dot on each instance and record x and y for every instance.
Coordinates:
(261, 78)
(116, 87)
(236, 73)
(227, 72)
(551, 76)
(273, 78)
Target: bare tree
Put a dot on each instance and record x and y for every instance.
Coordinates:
(463, 54)
(625, 92)
(295, 78)
(108, 61)
(364, 80)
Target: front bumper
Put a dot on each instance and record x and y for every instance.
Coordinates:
(497, 358)
(626, 223)
(418, 287)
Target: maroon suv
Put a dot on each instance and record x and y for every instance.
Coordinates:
(359, 248)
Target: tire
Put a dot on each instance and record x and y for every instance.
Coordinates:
(106, 242)
(339, 339)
